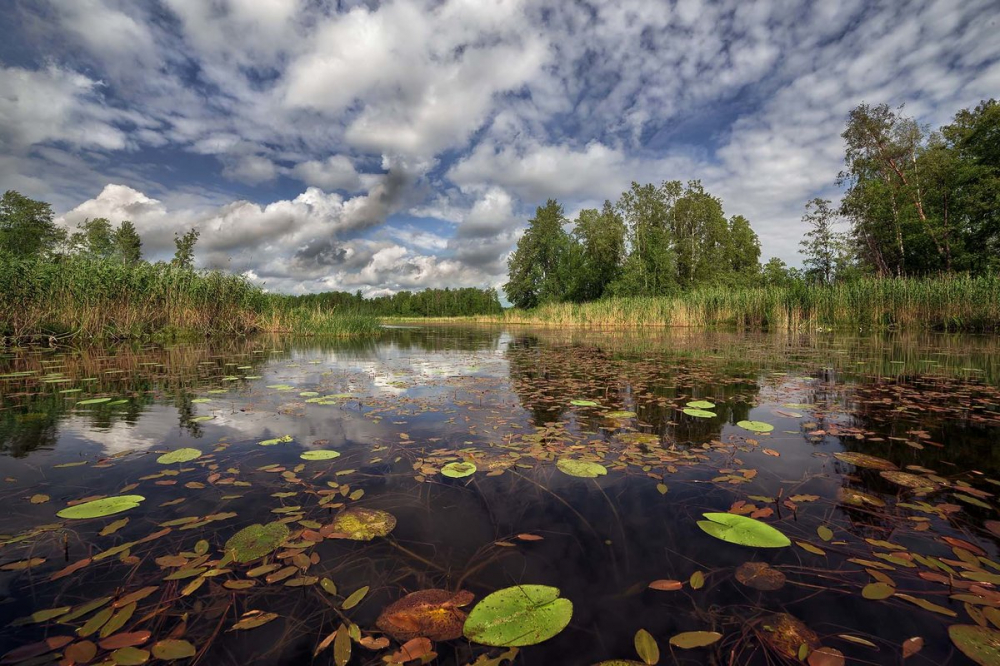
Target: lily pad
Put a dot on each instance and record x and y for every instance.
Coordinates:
(518, 616)
(431, 613)
(908, 480)
(458, 470)
(581, 468)
(786, 634)
(980, 644)
(255, 541)
(319, 454)
(102, 507)
(858, 498)
(755, 426)
(93, 401)
(621, 414)
(171, 649)
(864, 460)
(743, 531)
(701, 404)
(277, 440)
(360, 524)
(179, 456)
(583, 403)
(699, 413)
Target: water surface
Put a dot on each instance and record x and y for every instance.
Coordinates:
(400, 408)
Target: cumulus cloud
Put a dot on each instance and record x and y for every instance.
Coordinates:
(336, 131)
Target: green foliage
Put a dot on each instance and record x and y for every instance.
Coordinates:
(743, 531)
(824, 248)
(518, 616)
(93, 238)
(537, 269)
(446, 302)
(127, 245)
(27, 228)
(184, 256)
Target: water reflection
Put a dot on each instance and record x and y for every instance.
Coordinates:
(398, 408)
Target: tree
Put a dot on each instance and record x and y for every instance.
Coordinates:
(822, 246)
(742, 251)
(94, 238)
(534, 269)
(127, 244)
(184, 256)
(698, 228)
(775, 273)
(600, 239)
(650, 268)
(27, 228)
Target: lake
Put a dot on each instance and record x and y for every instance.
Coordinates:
(593, 459)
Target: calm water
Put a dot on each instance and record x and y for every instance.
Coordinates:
(404, 406)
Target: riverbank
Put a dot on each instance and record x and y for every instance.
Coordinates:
(104, 299)
(959, 303)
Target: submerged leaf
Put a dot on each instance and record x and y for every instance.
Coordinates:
(743, 531)
(864, 460)
(760, 576)
(581, 468)
(255, 541)
(101, 507)
(518, 616)
(430, 613)
(694, 639)
(980, 644)
(362, 524)
(171, 649)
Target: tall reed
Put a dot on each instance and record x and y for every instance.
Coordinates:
(76, 296)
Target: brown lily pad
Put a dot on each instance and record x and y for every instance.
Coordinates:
(760, 576)
(434, 614)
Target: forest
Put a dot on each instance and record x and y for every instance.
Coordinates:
(917, 203)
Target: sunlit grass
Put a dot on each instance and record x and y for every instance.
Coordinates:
(950, 303)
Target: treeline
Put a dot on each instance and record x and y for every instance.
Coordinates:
(654, 240)
(462, 302)
(917, 203)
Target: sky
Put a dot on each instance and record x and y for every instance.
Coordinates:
(320, 145)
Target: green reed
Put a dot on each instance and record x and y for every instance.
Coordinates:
(943, 303)
(76, 296)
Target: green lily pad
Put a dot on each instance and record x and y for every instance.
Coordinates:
(277, 440)
(622, 414)
(457, 470)
(699, 413)
(583, 403)
(755, 426)
(701, 404)
(518, 616)
(172, 649)
(255, 541)
(102, 507)
(360, 524)
(93, 401)
(319, 454)
(179, 456)
(742, 531)
(980, 644)
(581, 468)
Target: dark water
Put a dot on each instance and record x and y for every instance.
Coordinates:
(419, 398)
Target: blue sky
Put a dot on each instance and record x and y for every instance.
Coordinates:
(400, 145)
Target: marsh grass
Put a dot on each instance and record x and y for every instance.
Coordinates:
(945, 303)
(107, 299)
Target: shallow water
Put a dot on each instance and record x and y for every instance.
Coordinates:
(416, 399)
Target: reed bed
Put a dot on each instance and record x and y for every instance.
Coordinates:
(78, 297)
(943, 303)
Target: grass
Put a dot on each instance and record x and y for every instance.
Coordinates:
(943, 303)
(79, 297)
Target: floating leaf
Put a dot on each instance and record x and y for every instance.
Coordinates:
(518, 616)
(101, 507)
(253, 619)
(319, 454)
(864, 460)
(699, 413)
(431, 613)
(743, 531)
(787, 635)
(858, 498)
(646, 647)
(694, 639)
(877, 591)
(458, 470)
(911, 646)
(826, 656)
(179, 456)
(755, 426)
(256, 541)
(760, 576)
(907, 480)
(362, 524)
(581, 468)
(621, 415)
(583, 403)
(697, 580)
(666, 585)
(93, 401)
(701, 404)
(26, 652)
(277, 440)
(130, 656)
(171, 649)
(980, 644)
(824, 532)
